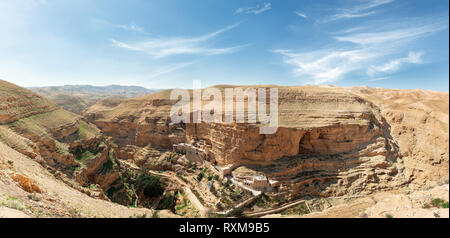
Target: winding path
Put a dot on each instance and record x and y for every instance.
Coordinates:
(186, 188)
(275, 210)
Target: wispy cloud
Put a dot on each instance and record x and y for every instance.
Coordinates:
(131, 27)
(301, 14)
(409, 33)
(254, 10)
(162, 47)
(326, 65)
(394, 65)
(167, 69)
(362, 10)
(127, 27)
(365, 51)
(379, 79)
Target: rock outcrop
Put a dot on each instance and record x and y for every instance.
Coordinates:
(330, 140)
(419, 124)
(328, 143)
(142, 121)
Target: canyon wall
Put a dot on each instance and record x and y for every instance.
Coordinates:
(330, 140)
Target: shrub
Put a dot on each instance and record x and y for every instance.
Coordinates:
(201, 175)
(170, 158)
(389, 215)
(14, 204)
(167, 202)
(26, 183)
(437, 202)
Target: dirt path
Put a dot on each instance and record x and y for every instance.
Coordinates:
(274, 210)
(186, 188)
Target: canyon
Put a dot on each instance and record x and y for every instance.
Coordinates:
(331, 143)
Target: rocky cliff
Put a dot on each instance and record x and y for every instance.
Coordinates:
(141, 122)
(419, 124)
(73, 150)
(330, 140)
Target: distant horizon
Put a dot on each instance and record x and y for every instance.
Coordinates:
(169, 43)
(161, 89)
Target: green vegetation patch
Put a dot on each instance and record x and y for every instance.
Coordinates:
(201, 175)
(86, 156)
(437, 202)
(13, 203)
(299, 209)
(87, 131)
(167, 202)
(151, 185)
(51, 119)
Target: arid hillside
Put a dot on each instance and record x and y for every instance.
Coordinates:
(53, 164)
(333, 148)
(341, 141)
(76, 98)
(419, 124)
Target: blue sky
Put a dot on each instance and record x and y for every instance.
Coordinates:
(170, 43)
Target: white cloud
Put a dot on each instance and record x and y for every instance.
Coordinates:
(394, 36)
(362, 10)
(353, 15)
(301, 14)
(326, 65)
(366, 53)
(132, 27)
(394, 65)
(254, 10)
(127, 27)
(162, 47)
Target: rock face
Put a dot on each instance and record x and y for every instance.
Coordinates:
(330, 140)
(142, 121)
(73, 150)
(328, 143)
(42, 122)
(99, 169)
(244, 144)
(419, 124)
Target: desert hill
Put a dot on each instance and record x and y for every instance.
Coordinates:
(76, 98)
(342, 141)
(332, 145)
(53, 164)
